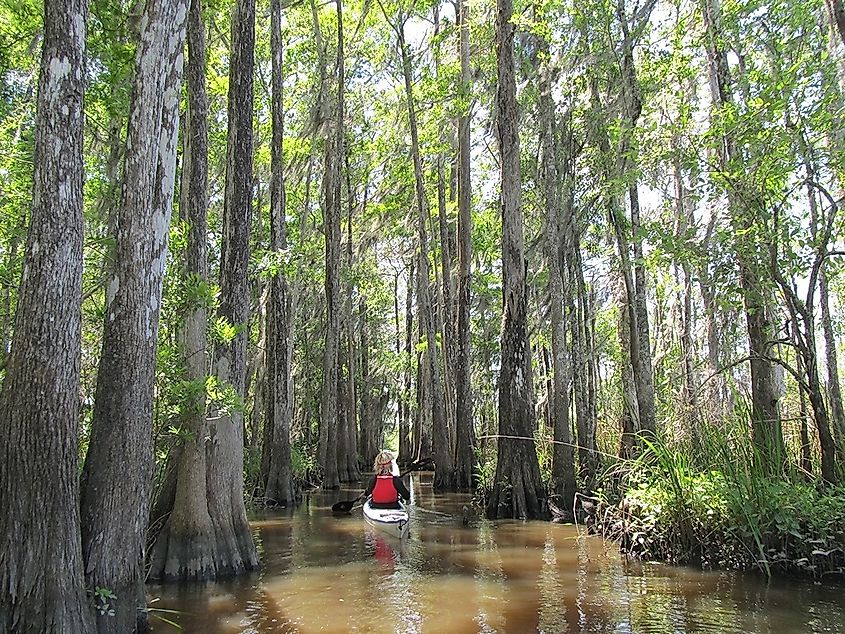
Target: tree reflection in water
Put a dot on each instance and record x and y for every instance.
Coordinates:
(323, 573)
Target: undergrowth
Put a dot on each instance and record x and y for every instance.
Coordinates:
(728, 516)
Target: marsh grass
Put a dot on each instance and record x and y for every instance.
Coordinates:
(710, 506)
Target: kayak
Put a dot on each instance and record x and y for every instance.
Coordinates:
(394, 522)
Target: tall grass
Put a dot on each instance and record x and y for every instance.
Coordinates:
(711, 506)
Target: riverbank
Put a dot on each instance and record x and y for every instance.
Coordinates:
(717, 520)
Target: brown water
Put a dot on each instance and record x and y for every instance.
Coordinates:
(322, 573)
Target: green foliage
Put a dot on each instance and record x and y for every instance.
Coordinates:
(730, 517)
(485, 470)
(303, 461)
(104, 600)
(223, 331)
(223, 397)
(252, 473)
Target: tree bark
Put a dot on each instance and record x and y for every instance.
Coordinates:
(585, 371)
(634, 271)
(684, 223)
(41, 573)
(834, 391)
(445, 286)
(349, 458)
(117, 477)
(279, 485)
(184, 550)
(629, 421)
(517, 489)
(329, 410)
(406, 445)
(235, 549)
(558, 218)
(836, 19)
(465, 477)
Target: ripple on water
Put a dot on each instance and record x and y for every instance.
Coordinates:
(324, 573)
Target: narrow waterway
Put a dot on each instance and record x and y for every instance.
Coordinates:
(323, 573)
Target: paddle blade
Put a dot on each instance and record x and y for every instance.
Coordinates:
(344, 506)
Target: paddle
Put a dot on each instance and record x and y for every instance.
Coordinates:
(345, 506)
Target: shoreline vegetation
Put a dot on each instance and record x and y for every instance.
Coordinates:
(666, 506)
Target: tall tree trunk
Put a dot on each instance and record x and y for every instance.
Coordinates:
(806, 456)
(279, 485)
(441, 446)
(117, 477)
(445, 286)
(329, 411)
(767, 434)
(464, 426)
(584, 370)
(836, 19)
(352, 398)
(406, 451)
(234, 546)
(41, 573)
(517, 489)
(184, 550)
(559, 215)
(630, 414)
(351, 325)
(636, 285)
(684, 223)
(611, 170)
(645, 374)
(834, 391)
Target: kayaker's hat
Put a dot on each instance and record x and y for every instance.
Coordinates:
(383, 461)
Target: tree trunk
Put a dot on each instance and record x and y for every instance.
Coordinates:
(634, 271)
(279, 485)
(584, 372)
(559, 215)
(464, 426)
(441, 447)
(406, 451)
(645, 374)
(117, 477)
(831, 364)
(629, 422)
(815, 394)
(445, 286)
(352, 397)
(41, 573)
(348, 459)
(836, 19)
(184, 550)
(684, 223)
(234, 546)
(806, 455)
(329, 409)
(517, 489)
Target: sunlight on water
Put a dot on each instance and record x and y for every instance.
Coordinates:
(322, 573)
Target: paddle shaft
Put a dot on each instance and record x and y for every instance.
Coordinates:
(341, 506)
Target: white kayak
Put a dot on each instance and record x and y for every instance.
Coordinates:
(394, 522)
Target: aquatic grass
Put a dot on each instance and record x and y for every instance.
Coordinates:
(159, 613)
(727, 516)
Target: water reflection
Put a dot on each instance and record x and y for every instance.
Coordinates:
(322, 573)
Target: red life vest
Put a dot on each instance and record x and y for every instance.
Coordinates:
(384, 492)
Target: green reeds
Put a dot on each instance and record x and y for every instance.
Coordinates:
(711, 505)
